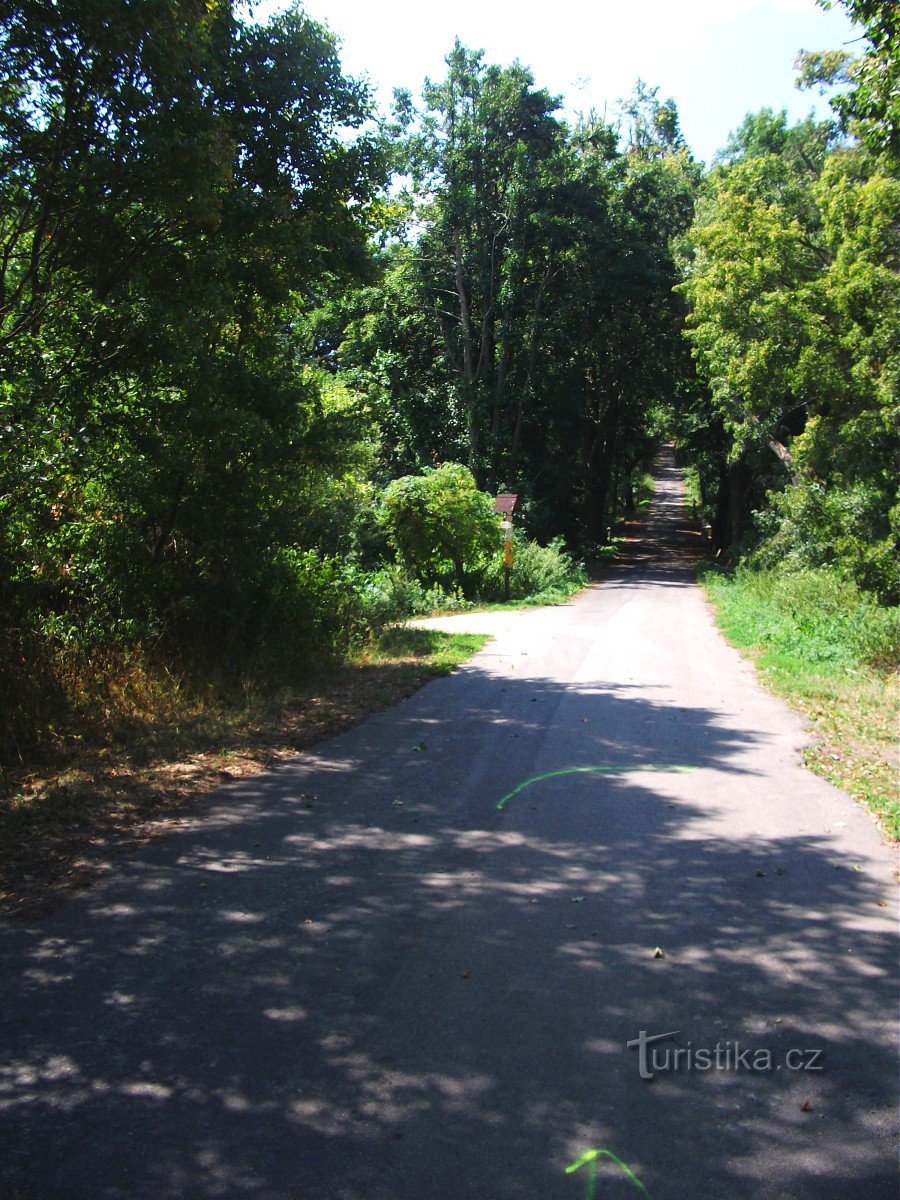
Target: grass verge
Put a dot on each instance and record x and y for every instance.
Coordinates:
(831, 652)
(58, 824)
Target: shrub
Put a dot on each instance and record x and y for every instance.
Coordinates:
(538, 572)
(542, 570)
(444, 528)
(392, 594)
(311, 609)
(844, 528)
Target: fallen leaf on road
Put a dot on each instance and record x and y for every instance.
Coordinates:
(805, 1106)
(465, 974)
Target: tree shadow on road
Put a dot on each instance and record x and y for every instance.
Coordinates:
(357, 980)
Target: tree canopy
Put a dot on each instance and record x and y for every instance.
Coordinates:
(264, 354)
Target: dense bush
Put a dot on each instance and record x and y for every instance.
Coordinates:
(443, 527)
(810, 525)
(537, 571)
(312, 609)
(817, 616)
(447, 536)
(295, 612)
(392, 593)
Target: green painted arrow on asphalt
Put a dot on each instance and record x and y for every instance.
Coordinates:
(620, 769)
(589, 1160)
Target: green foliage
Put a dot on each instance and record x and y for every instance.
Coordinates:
(543, 572)
(310, 610)
(801, 146)
(447, 535)
(525, 312)
(393, 593)
(172, 181)
(870, 105)
(816, 616)
(443, 527)
(847, 529)
(754, 309)
(795, 324)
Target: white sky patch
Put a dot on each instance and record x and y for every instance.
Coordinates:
(719, 59)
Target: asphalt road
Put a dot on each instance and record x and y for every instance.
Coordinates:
(390, 971)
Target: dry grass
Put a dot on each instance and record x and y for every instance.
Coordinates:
(855, 748)
(164, 751)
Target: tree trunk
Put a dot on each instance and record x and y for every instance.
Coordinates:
(732, 505)
(468, 363)
(785, 457)
(532, 366)
(598, 474)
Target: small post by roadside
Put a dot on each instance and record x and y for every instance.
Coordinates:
(506, 504)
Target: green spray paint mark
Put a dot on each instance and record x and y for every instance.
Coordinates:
(607, 770)
(589, 1160)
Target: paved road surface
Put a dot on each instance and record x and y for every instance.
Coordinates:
(357, 977)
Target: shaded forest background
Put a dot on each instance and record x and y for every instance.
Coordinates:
(265, 353)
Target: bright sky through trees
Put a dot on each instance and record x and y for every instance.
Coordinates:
(719, 59)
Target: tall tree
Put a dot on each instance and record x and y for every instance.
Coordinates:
(479, 146)
(869, 105)
(173, 184)
(794, 289)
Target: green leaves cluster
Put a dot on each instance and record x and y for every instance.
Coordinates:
(176, 183)
(173, 183)
(869, 105)
(525, 322)
(444, 528)
(795, 322)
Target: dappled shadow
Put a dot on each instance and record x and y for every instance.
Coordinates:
(350, 982)
(130, 784)
(664, 547)
(357, 977)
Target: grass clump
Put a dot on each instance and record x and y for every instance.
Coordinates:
(832, 651)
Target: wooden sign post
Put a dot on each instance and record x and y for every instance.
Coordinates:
(506, 504)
